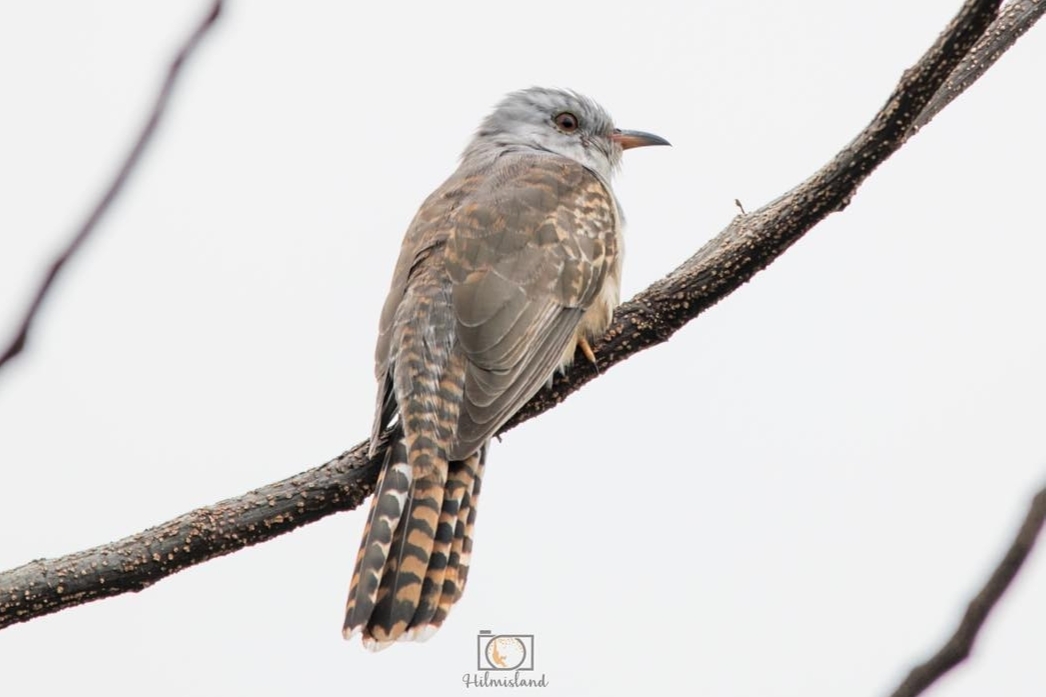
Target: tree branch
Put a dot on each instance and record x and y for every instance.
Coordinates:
(959, 645)
(746, 246)
(44, 586)
(753, 241)
(1015, 18)
(21, 334)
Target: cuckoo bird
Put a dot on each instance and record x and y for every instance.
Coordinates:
(507, 268)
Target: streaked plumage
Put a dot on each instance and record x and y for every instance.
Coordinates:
(506, 267)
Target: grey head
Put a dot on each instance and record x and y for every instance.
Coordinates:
(557, 121)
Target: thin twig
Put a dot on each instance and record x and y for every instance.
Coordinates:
(959, 645)
(21, 336)
(746, 246)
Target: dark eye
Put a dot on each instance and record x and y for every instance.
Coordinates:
(566, 122)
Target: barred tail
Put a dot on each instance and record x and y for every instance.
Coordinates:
(413, 561)
(386, 511)
(470, 474)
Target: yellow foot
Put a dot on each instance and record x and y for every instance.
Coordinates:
(582, 343)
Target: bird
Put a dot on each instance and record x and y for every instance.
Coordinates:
(507, 269)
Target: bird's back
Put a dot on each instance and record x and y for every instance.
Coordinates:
(520, 248)
(507, 267)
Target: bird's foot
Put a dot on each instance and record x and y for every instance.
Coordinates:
(586, 349)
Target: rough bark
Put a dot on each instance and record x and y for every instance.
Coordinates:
(975, 38)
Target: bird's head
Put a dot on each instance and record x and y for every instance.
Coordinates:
(560, 122)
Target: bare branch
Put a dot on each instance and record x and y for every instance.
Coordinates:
(749, 244)
(753, 241)
(959, 645)
(21, 335)
(1015, 18)
(136, 562)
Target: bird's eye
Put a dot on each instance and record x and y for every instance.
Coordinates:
(566, 122)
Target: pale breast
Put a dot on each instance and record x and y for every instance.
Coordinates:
(599, 314)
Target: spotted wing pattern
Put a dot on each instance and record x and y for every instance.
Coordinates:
(503, 269)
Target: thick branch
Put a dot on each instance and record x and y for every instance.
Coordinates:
(753, 241)
(748, 244)
(136, 562)
(959, 645)
(1015, 18)
(21, 334)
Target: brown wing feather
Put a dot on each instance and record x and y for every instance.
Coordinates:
(528, 254)
(499, 271)
(422, 249)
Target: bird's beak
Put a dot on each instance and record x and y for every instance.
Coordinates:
(636, 139)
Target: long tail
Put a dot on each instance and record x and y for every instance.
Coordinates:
(414, 557)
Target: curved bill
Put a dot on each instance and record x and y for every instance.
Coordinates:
(636, 139)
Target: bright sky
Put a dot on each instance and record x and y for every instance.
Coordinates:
(797, 494)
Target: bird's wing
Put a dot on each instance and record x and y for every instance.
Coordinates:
(528, 253)
(422, 246)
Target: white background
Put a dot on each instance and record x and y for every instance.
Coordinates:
(796, 495)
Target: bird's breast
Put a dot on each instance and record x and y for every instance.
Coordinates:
(600, 313)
